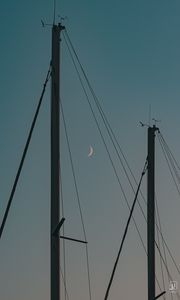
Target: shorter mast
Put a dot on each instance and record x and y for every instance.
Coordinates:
(151, 212)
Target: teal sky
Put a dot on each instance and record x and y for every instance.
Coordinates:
(131, 53)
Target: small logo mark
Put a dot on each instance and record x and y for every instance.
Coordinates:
(173, 286)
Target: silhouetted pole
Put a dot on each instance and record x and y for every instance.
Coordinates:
(151, 213)
(55, 161)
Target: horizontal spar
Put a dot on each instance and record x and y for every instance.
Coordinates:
(71, 239)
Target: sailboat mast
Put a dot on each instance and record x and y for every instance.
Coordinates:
(151, 212)
(55, 162)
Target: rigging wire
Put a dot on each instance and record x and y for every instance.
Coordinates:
(159, 245)
(65, 287)
(168, 162)
(125, 233)
(176, 163)
(166, 267)
(24, 153)
(78, 198)
(172, 160)
(105, 121)
(63, 230)
(164, 152)
(163, 243)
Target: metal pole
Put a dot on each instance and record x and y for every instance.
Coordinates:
(55, 161)
(151, 213)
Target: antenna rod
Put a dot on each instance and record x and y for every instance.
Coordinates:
(54, 12)
(55, 161)
(151, 212)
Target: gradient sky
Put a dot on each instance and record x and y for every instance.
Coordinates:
(131, 52)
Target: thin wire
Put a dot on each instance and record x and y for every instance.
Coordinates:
(158, 238)
(78, 198)
(163, 243)
(171, 158)
(167, 270)
(63, 215)
(178, 192)
(65, 287)
(125, 233)
(73, 171)
(178, 166)
(63, 229)
(168, 162)
(24, 153)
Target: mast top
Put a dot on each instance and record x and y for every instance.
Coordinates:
(153, 128)
(59, 26)
(57, 29)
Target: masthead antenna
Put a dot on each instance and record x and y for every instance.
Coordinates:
(149, 121)
(54, 14)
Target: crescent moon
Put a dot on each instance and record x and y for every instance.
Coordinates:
(91, 151)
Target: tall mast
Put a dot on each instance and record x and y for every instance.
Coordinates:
(55, 162)
(151, 212)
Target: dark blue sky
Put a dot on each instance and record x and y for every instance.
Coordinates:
(131, 52)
